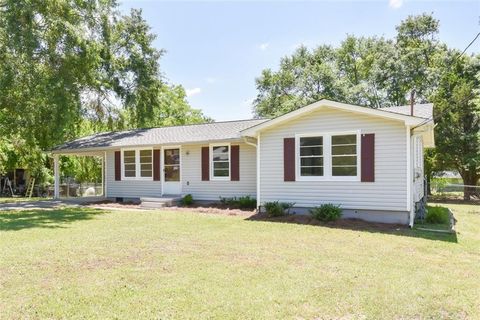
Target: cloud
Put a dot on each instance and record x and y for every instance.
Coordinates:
(193, 91)
(210, 80)
(264, 46)
(395, 4)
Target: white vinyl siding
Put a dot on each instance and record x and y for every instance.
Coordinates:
(213, 189)
(191, 177)
(388, 192)
(130, 188)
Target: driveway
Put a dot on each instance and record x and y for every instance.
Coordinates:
(48, 204)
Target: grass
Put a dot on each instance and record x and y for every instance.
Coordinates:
(20, 199)
(85, 263)
(437, 218)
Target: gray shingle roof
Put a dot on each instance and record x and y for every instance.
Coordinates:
(227, 130)
(419, 110)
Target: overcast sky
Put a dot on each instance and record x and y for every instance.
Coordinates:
(216, 49)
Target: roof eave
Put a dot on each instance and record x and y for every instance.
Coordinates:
(79, 151)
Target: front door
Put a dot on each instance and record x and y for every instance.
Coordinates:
(172, 183)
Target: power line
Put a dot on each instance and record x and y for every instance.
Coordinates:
(451, 64)
(471, 42)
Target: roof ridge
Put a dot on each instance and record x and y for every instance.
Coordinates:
(174, 126)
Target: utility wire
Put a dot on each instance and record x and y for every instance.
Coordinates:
(451, 64)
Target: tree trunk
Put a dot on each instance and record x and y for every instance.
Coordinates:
(429, 187)
(470, 189)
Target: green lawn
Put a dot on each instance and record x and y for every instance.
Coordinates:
(20, 199)
(160, 265)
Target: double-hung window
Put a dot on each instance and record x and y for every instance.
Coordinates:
(220, 161)
(344, 155)
(311, 156)
(137, 164)
(327, 156)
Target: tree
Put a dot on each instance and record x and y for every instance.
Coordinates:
(75, 67)
(457, 108)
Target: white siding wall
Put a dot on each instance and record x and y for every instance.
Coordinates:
(191, 177)
(212, 190)
(388, 192)
(129, 188)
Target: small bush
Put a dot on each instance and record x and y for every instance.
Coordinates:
(247, 202)
(187, 200)
(278, 209)
(438, 215)
(228, 201)
(287, 206)
(326, 212)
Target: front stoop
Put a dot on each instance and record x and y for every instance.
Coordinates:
(160, 202)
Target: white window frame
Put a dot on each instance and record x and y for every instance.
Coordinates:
(211, 146)
(137, 164)
(327, 156)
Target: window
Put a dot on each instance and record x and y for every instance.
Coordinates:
(327, 156)
(344, 155)
(129, 165)
(146, 163)
(220, 161)
(311, 156)
(137, 164)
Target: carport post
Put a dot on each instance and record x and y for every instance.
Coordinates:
(56, 173)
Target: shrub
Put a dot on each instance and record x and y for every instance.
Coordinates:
(438, 215)
(247, 202)
(278, 209)
(187, 200)
(287, 206)
(228, 201)
(326, 212)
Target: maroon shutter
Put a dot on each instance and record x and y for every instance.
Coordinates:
(156, 165)
(235, 163)
(118, 166)
(289, 159)
(368, 158)
(205, 164)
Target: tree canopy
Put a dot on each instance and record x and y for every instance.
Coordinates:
(73, 67)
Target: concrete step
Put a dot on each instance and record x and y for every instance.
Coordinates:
(153, 205)
(159, 202)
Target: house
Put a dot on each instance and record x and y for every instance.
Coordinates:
(369, 161)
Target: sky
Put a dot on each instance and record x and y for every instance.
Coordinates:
(216, 49)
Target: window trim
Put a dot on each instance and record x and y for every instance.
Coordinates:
(137, 164)
(327, 156)
(212, 176)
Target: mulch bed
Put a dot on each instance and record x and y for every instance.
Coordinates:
(211, 208)
(251, 214)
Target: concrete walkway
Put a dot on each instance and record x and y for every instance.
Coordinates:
(49, 204)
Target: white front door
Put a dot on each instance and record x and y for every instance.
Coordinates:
(172, 183)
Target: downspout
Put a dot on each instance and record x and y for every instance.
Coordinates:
(257, 146)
